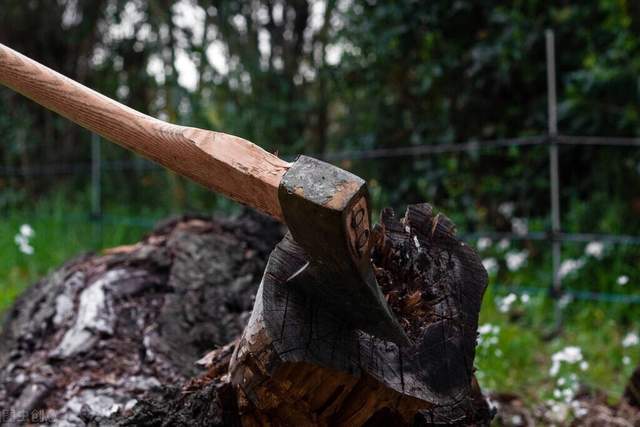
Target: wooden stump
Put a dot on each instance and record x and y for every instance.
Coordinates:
(298, 363)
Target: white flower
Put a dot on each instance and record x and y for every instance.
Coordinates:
(569, 355)
(490, 264)
(27, 231)
(488, 328)
(579, 410)
(568, 394)
(515, 260)
(525, 298)
(559, 412)
(520, 226)
(485, 329)
(488, 335)
(484, 243)
(594, 249)
(507, 209)
(623, 280)
(26, 249)
(630, 340)
(584, 365)
(626, 360)
(504, 304)
(503, 244)
(22, 239)
(569, 266)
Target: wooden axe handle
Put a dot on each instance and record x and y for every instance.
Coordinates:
(224, 163)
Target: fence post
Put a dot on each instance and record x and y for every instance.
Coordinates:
(552, 116)
(96, 187)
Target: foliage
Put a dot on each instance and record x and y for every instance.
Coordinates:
(301, 76)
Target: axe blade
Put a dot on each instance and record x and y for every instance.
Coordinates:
(327, 211)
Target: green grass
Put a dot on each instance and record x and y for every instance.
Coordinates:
(62, 230)
(516, 359)
(520, 359)
(517, 355)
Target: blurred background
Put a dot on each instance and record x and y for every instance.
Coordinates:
(517, 121)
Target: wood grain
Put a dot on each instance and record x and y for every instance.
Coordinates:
(224, 163)
(300, 363)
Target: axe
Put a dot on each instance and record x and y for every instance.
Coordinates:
(325, 208)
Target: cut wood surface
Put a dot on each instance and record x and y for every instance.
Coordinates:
(146, 334)
(224, 163)
(300, 364)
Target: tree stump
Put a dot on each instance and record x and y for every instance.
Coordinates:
(297, 362)
(115, 338)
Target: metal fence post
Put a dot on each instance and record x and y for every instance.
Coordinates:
(552, 116)
(96, 186)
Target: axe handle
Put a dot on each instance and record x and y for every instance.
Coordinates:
(224, 163)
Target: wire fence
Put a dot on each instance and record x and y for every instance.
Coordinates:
(555, 236)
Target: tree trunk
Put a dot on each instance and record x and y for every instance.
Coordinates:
(120, 337)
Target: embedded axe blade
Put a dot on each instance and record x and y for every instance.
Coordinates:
(325, 207)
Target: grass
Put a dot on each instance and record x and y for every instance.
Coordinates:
(62, 230)
(517, 344)
(522, 329)
(520, 358)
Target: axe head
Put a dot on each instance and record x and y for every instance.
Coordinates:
(327, 212)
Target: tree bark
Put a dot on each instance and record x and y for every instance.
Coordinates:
(297, 362)
(120, 338)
